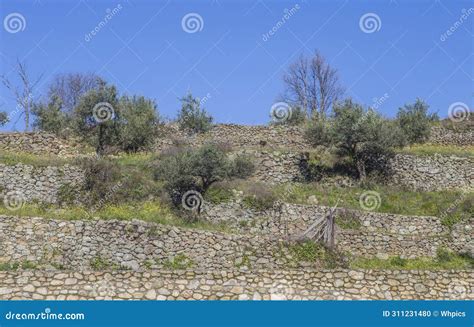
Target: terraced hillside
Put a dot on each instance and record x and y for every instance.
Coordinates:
(409, 236)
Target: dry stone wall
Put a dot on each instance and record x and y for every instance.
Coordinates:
(36, 143)
(286, 137)
(433, 172)
(376, 234)
(128, 245)
(445, 136)
(273, 167)
(24, 183)
(238, 284)
(238, 136)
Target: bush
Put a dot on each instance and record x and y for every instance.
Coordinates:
(138, 123)
(415, 121)
(242, 167)
(101, 180)
(219, 193)
(318, 133)
(50, 117)
(443, 255)
(191, 117)
(185, 169)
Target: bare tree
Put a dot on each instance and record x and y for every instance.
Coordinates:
(70, 87)
(23, 93)
(312, 84)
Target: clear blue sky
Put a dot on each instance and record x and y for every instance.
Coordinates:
(143, 49)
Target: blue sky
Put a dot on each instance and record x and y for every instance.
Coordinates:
(143, 49)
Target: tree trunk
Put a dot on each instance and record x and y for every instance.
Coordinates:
(361, 170)
(100, 142)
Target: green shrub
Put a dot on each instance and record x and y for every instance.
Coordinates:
(307, 251)
(444, 255)
(219, 193)
(415, 121)
(51, 117)
(191, 117)
(242, 167)
(68, 194)
(101, 180)
(398, 262)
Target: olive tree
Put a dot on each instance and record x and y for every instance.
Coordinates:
(97, 118)
(363, 136)
(188, 169)
(192, 117)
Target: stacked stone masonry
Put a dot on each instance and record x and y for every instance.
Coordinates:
(83, 244)
(377, 234)
(238, 285)
(421, 173)
(21, 182)
(36, 143)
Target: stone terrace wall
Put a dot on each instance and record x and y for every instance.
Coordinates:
(422, 173)
(444, 136)
(244, 285)
(287, 137)
(133, 245)
(276, 167)
(21, 182)
(238, 136)
(433, 172)
(36, 143)
(379, 234)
